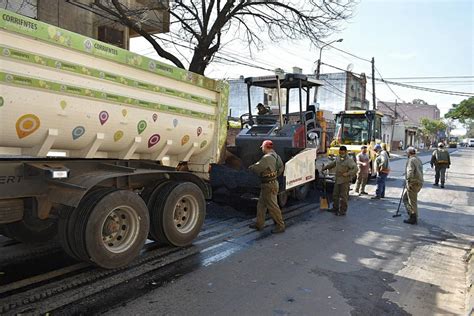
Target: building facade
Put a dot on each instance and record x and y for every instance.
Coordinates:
(238, 100)
(84, 17)
(405, 122)
(342, 91)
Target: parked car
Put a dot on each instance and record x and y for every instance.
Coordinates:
(471, 142)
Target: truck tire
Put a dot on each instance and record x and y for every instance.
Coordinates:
(152, 198)
(31, 229)
(64, 214)
(178, 213)
(68, 219)
(282, 198)
(109, 228)
(302, 191)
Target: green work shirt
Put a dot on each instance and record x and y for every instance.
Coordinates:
(440, 157)
(269, 166)
(343, 165)
(414, 170)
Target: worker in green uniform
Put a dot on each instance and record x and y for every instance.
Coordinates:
(441, 161)
(268, 168)
(346, 169)
(413, 183)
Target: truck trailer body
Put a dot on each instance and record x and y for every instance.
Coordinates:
(100, 146)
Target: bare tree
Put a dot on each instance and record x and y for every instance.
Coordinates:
(206, 26)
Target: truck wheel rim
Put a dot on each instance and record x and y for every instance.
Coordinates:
(120, 229)
(186, 214)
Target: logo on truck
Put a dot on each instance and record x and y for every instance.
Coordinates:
(27, 125)
(153, 140)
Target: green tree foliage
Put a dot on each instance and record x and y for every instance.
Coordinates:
(470, 129)
(463, 112)
(431, 128)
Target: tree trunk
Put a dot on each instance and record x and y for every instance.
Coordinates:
(199, 62)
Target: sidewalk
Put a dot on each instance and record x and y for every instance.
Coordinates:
(397, 154)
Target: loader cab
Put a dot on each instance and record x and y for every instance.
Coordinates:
(355, 128)
(291, 132)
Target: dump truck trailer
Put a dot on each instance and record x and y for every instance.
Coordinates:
(99, 146)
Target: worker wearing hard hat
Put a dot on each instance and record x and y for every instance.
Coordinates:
(413, 184)
(268, 168)
(346, 169)
(441, 160)
(382, 166)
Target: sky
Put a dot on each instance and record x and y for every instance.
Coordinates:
(407, 38)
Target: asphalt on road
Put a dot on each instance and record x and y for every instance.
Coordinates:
(367, 263)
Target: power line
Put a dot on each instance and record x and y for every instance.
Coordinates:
(335, 87)
(341, 50)
(235, 60)
(435, 77)
(440, 91)
(396, 95)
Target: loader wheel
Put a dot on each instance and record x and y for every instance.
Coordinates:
(282, 198)
(31, 229)
(302, 191)
(178, 213)
(109, 228)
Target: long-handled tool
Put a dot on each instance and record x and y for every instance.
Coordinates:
(323, 200)
(397, 214)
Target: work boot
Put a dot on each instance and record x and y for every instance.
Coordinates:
(278, 229)
(442, 186)
(435, 184)
(411, 220)
(375, 197)
(254, 226)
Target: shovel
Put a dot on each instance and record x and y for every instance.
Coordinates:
(397, 214)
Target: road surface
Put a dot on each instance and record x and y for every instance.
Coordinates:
(366, 263)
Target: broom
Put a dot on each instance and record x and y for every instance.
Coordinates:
(323, 200)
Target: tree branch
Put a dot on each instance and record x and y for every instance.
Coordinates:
(124, 18)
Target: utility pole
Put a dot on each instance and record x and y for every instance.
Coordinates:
(393, 124)
(318, 68)
(373, 84)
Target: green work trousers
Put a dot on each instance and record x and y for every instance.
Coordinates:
(410, 198)
(361, 181)
(340, 197)
(268, 201)
(440, 172)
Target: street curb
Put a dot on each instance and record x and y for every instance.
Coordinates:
(469, 260)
